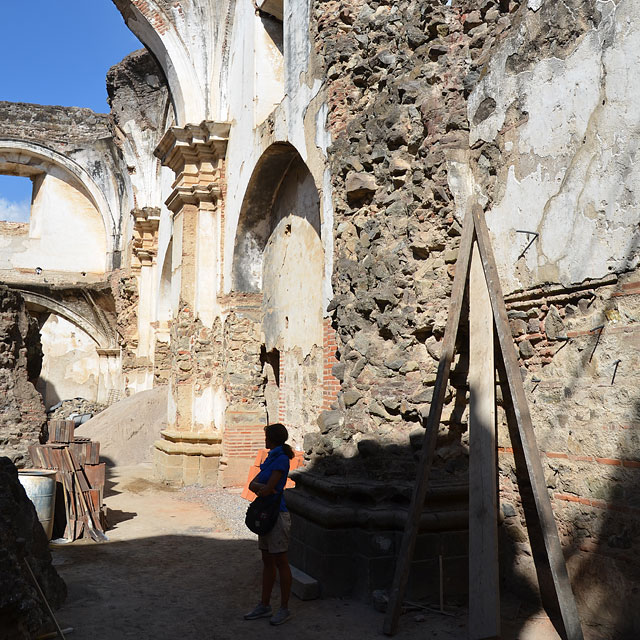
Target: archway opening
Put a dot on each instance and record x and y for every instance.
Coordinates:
(279, 253)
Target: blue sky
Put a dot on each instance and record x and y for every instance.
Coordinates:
(57, 52)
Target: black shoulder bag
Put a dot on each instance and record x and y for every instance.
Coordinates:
(263, 513)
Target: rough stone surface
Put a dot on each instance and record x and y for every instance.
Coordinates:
(22, 416)
(398, 78)
(22, 612)
(53, 125)
(126, 296)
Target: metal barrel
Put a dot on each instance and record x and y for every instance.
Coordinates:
(40, 486)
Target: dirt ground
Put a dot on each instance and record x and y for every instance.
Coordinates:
(172, 569)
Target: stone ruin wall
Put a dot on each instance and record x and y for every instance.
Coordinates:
(140, 112)
(557, 156)
(400, 82)
(22, 416)
(398, 78)
(22, 612)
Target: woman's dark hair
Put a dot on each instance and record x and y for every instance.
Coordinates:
(277, 434)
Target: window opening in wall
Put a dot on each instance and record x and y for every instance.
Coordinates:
(15, 198)
(270, 361)
(273, 8)
(269, 62)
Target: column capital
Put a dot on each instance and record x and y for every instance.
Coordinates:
(195, 153)
(193, 141)
(145, 236)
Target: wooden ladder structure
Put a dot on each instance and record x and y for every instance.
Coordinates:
(487, 311)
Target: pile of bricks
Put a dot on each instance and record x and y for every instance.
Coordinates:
(81, 477)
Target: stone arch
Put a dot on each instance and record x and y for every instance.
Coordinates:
(278, 253)
(104, 338)
(278, 169)
(154, 23)
(28, 158)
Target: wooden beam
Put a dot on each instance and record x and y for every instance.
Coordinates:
(484, 584)
(564, 594)
(419, 494)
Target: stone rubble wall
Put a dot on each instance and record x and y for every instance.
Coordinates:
(54, 126)
(126, 297)
(581, 385)
(427, 114)
(197, 351)
(22, 613)
(398, 76)
(22, 416)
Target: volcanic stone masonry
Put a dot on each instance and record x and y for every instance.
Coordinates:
(22, 613)
(280, 233)
(22, 416)
(400, 82)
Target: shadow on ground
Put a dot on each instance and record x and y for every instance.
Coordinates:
(181, 586)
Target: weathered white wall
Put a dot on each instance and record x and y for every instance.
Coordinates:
(298, 119)
(292, 286)
(66, 232)
(269, 70)
(568, 167)
(71, 365)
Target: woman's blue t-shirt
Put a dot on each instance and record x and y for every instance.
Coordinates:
(277, 460)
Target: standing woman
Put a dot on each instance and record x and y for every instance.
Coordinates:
(275, 544)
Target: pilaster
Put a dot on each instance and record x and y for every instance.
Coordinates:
(191, 446)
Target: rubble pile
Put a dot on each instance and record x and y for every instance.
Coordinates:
(73, 408)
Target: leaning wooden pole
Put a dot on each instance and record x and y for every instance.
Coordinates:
(564, 594)
(419, 494)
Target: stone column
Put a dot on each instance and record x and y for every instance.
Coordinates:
(190, 448)
(143, 266)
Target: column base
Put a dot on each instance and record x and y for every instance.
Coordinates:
(347, 536)
(183, 458)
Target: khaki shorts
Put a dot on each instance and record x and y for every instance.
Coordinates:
(277, 540)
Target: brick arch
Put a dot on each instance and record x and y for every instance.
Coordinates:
(27, 158)
(154, 22)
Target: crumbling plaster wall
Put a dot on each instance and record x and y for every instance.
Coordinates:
(71, 363)
(82, 201)
(142, 111)
(554, 131)
(563, 122)
(221, 71)
(186, 38)
(61, 215)
(296, 127)
(298, 120)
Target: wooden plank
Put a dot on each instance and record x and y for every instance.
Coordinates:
(484, 583)
(564, 594)
(405, 555)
